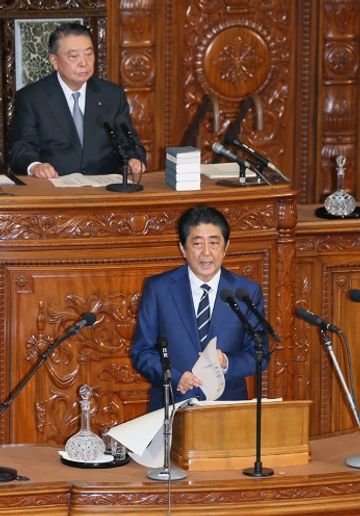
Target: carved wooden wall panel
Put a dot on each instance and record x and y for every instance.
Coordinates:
(64, 255)
(228, 50)
(328, 265)
(45, 300)
(338, 93)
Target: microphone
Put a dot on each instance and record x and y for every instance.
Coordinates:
(162, 345)
(87, 319)
(311, 318)
(110, 131)
(122, 152)
(228, 297)
(262, 160)
(127, 132)
(243, 296)
(223, 151)
(354, 295)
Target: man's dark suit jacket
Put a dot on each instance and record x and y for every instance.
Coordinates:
(167, 309)
(43, 130)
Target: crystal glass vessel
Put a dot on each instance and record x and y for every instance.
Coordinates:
(85, 445)
(340, 203)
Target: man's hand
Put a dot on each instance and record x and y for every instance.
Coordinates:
(136, 167)
(43, 171)
(187, 382)
(223, 361)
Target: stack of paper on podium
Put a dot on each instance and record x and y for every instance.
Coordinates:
(182, 168)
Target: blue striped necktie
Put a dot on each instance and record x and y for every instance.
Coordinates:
(203, 315)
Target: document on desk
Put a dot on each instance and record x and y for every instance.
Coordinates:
(5, 180)
(144, 436)
(78, 179)
(208, 369)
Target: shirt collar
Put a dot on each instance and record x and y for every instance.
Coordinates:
(67, 91)
(196, 283)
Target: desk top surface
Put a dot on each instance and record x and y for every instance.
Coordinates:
(42, 464)
(155, 189)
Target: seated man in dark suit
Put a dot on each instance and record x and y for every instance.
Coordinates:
(170, 307)
(55, 133)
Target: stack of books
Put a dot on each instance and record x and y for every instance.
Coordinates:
(182, 168)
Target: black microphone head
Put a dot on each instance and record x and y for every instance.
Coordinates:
(226, 294)
(125, 129)
(89, 318)
(162, 342)
(241, 293)
(354, 295)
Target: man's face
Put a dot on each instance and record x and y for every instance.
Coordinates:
(74, 60)
(204, 250)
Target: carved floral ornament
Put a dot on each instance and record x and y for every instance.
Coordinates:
(234, 59)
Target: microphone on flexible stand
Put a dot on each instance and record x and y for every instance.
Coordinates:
(314, 319)
(87, 319)
(245, 166)
(228, 297)
(122, 152)
(243, 296)
(166, 472)
(133, 143)
(261, 160)
(257, 471)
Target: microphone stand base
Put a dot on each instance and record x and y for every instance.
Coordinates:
(126, 188)
(7, 474)
(353, 462)
(166, 474)
(258, 472)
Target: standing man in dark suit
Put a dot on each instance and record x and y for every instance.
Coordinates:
(55, 133)
(170, 308)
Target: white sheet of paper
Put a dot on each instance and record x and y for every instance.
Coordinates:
(5, 180)
(208, 369)
(138, 433)
(78, 179)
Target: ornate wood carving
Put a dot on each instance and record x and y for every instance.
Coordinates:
(228, 52)
(327, 267)
(340, 100)
(138, 66)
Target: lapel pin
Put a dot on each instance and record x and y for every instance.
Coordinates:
(99, 103)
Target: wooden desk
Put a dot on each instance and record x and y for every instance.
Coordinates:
(62, 251)
(324, 486)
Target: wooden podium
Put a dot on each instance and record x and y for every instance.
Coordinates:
(221, 437)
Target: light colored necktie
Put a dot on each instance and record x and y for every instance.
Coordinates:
(203, 315)
(78, 116)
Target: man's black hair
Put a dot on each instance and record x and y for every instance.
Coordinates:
(66, 29)
(202, 214)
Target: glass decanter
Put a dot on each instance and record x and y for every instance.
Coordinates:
(340, 203)
(85, 446)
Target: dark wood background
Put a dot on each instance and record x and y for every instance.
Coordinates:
(299, 56)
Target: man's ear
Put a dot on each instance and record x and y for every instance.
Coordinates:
(53, 61)
(182, 249)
